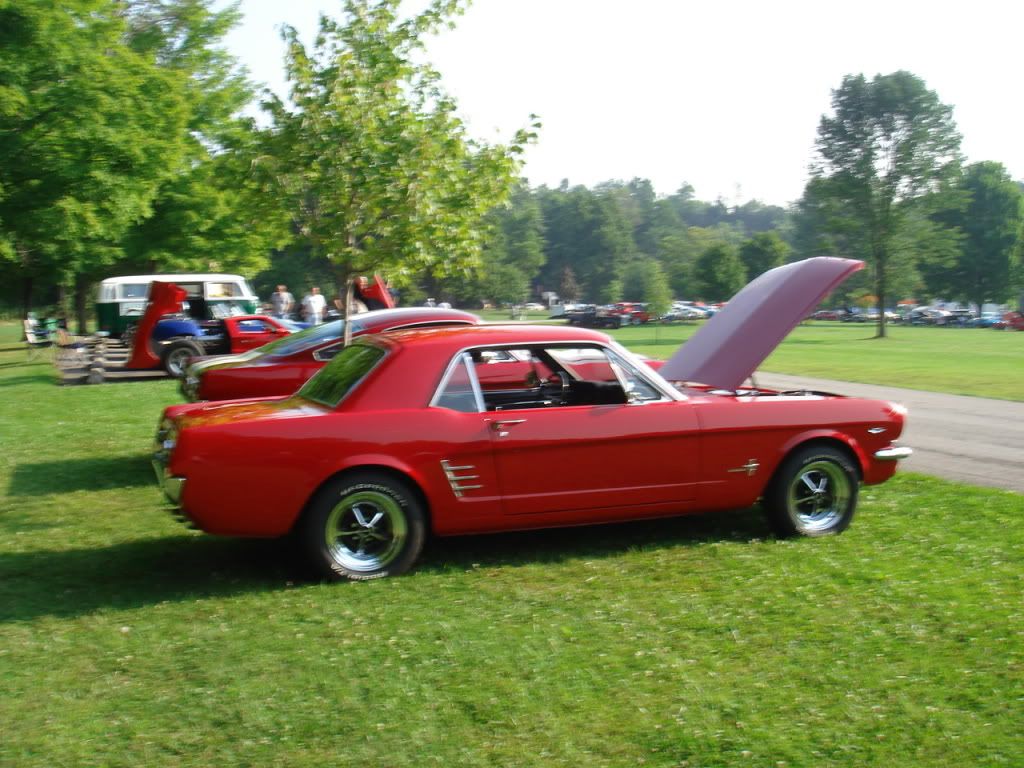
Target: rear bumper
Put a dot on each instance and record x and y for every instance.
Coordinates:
(173, 488)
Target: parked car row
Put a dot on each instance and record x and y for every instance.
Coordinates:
(616, 315)
(937, 316)
(431, 424)
(626, 313)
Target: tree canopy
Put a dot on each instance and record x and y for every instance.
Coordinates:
(124, 148)
(89, 130)
(889, 149)
(371, 155)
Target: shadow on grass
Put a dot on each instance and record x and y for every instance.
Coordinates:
(137, 574)
(42, 377)
(592, 541)
(68, 475)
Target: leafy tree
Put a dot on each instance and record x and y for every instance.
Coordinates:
(89, 129)
(677, 253)
(991, 223)
(721, 273)
(522, 230)
(568, 288)
(370, 152)
(645, 281)
(588, 232)
(505, 284)
(764, 251)
(889, 148)
(755, 216)
(213, 213)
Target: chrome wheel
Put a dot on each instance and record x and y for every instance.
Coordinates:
(365, 531)
(819, 496)
(176, 360)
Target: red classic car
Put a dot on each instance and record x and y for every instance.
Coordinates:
(284, 365)
(1011, 321)
(168, 338)
(469, 429)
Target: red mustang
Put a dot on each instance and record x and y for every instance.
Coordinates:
(467, 429)
(284, 365)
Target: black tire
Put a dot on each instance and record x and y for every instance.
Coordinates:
(814, 493)
(176, 356)
(364, 525)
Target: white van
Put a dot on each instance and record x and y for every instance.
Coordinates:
(121, 300)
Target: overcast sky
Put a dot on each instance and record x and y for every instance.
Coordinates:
(723, 95)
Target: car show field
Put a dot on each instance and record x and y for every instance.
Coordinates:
(702, 640)
(959, 361)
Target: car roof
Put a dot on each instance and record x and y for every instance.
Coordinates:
(457, 336)
(386, 317)
(418, 358)
(185, 277)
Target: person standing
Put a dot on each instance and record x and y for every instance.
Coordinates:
(282, 302)
(313, 304)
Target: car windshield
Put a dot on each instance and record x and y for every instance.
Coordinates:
(338, 377)
(310, 337)
(303, 340)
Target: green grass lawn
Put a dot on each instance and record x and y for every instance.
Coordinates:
(962, 361)
(126, 640)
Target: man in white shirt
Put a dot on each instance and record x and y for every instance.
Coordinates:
(282, 302)
(313, 306)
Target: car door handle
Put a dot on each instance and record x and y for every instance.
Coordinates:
(499, 426)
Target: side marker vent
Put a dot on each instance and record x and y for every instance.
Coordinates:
(459, 481)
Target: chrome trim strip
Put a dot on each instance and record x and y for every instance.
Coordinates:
(749, 468)
(474, 382)
(876, 430)
(893, 453)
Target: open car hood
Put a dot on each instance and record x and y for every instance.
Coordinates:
(730, 346)
(164, 299)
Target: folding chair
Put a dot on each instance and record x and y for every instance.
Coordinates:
(34, 342)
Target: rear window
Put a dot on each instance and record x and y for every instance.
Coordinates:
(339, 376)
(223, 290)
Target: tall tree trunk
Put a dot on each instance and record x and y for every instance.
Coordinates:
(62, 302)
(81, 296)
(344, 278)
(26, 295)
(880, 262)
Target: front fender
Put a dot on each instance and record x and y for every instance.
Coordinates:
(807, 436)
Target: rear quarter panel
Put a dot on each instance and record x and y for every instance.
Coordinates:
(255, 478)
(737, 432)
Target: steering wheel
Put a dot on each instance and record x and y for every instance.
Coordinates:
(562, 380)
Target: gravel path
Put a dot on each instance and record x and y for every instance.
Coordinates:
(968, 439)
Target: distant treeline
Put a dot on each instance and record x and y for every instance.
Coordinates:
(123, 150)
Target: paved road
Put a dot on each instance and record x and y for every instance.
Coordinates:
(969, 439)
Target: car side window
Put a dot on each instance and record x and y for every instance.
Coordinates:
(459, 389)
(637, 388)
(556, 376)
(252, 326)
